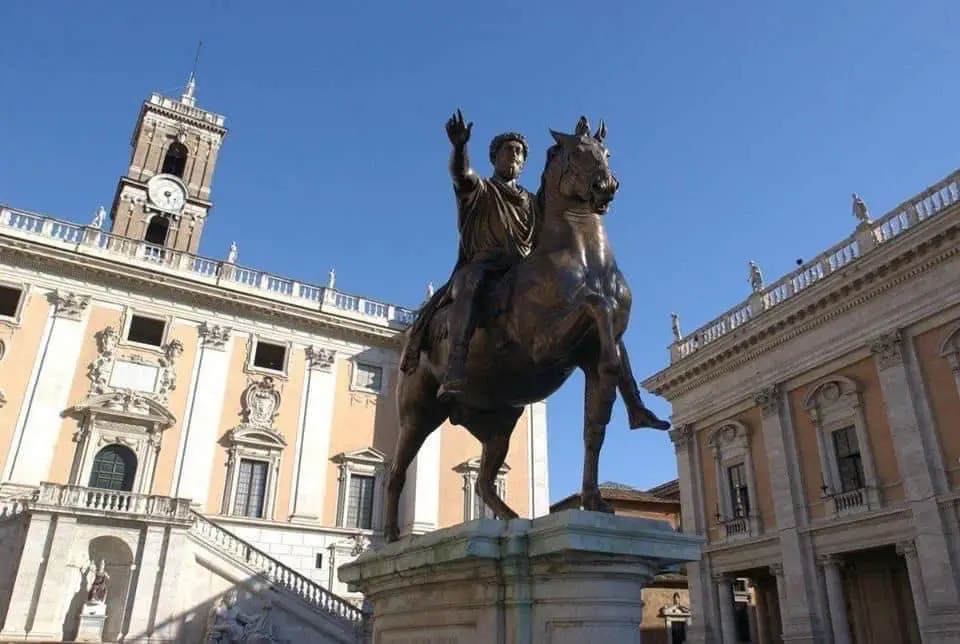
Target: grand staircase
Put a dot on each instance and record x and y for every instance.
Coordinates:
(219, 557)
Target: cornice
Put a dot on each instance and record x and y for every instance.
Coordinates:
(885, 268)
(184, 117)
(86, 267)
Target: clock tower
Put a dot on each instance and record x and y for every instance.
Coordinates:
(164, 198)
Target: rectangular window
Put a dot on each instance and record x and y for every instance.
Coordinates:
(849, 462)
(319, 562)
(360, 502)
(369, 377)
(251, 489)
(9, 301)
(739, 493)
(144, 330)
(269, 356)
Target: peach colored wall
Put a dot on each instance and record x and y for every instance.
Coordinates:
(176, 405)
(21, 353)
(863, 372)
(710, 498)
(753, 419)
(286, 423)
(359, 420)
(941, 388)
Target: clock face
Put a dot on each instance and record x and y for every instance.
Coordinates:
(166, 193)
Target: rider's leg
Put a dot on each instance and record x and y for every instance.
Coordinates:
(461, 322)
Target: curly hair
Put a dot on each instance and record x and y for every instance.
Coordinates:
(500, 139)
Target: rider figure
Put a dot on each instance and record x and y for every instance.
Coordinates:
(497, 219)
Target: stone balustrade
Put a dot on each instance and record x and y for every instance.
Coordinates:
(908, 215)
(54, 497)
(98, 243)
(277, 573)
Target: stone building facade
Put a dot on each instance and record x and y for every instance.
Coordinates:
(815, 427)
(133, 369)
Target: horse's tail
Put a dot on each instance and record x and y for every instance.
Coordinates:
(418, 336)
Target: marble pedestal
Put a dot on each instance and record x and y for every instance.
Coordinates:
(92, 617)
(568, 578)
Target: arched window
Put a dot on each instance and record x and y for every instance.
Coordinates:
(175, 161)
(114, 468)
(157, 230)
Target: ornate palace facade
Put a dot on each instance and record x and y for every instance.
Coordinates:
(817, 441)
(187, 400)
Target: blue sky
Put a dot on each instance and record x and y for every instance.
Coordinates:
(738, 131)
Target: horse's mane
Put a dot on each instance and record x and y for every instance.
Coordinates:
(552, 152)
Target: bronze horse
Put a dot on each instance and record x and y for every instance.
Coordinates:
(565, 306)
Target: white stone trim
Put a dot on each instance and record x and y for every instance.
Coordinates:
(253, 340)
(16, 319)
(470, 471)
(367, 461)
(356, 362)
(835, 403)
(253, 444)
(730, 443)
(949, 350)
(129, 312)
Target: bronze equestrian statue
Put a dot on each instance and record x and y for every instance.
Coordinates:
(535, 294)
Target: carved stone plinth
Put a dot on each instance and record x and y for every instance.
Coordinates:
(570, 577)
(92, 617)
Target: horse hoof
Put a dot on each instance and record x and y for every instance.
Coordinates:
(595, 503)
(643, 417)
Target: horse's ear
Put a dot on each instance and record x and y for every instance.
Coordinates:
(560, 137)
(583, 127)
(601, 132)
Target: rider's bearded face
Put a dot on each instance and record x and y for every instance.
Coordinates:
(509, 160)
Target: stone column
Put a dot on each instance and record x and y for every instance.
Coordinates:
(48, 620)
(908, 550)
(38, 429)
(313, 439)
(202, 419)
(29, 573)
(796, 584)
(937, 576)
(421, 494)
(147, 579)
(539, 471)
(728, 625)
(691, 512)
(763, 620)
(835, 597)
(777, 571)
(565, 578)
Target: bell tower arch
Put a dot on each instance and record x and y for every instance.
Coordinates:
(164, 199)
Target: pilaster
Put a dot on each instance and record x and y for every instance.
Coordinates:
(420, 499)
(152, 554)
(38, 435)
(835, 598)
(29, 574)
(539, 470)
(798, 586)
(203, 416)
(936, 568)
(48, 620)
(313, 438)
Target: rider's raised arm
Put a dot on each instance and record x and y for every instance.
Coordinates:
(464, 178)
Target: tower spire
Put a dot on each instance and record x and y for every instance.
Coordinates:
(188, 97)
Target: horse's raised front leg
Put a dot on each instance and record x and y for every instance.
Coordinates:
(637, 413)
(600, 309)
(601, 392)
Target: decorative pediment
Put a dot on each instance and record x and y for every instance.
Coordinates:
(473, 465)
(831, 392)
(731, 432)
(257, 437)
(369, 455)
(127, 405)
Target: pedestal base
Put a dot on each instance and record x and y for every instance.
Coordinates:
(568, 578)
(92, 617)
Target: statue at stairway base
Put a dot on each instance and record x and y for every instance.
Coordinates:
(507, 332)
(227, 624)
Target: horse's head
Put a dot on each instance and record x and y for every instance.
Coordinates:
(583, 165)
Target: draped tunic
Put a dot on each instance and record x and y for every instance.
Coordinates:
(497, 222)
